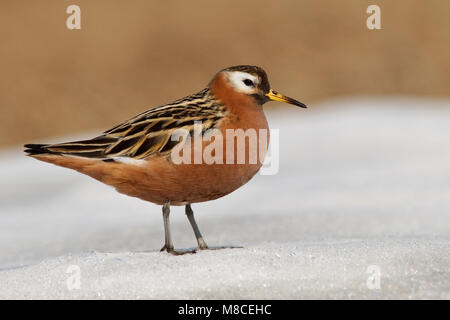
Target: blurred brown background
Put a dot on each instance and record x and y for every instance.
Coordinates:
(131, 55)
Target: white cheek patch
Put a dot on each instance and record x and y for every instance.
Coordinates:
(237, 78)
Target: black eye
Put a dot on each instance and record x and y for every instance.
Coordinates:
(248, 82)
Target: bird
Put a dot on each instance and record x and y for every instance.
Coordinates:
(136, 157)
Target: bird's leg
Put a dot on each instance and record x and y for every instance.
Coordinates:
(201, 242)
(190, 215)
(168, 244)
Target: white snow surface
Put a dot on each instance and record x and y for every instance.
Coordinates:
(363, 185)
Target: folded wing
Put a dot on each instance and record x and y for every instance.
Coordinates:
(146, 134)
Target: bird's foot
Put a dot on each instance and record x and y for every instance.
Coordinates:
(177, 252)
(217, 248)
(199, 248)
(202, 246)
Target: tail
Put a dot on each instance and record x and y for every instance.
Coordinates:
(34, 149)
(73, 156)
(93, 148)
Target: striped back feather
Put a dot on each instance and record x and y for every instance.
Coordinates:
(145, 134)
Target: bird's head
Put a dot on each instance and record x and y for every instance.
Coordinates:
(253, 81)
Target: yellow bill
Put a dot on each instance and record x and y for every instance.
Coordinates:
(275, 96)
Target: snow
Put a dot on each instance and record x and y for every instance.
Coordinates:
(362, 194)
